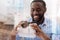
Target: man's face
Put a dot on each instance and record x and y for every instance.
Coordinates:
(37, 10)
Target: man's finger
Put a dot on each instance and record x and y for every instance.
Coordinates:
(17, 26)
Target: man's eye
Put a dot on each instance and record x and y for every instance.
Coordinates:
(32, 9)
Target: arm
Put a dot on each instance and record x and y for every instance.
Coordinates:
(39, 32)
(14, 31)
(43, 36)
(13, 34)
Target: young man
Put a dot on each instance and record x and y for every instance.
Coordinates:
(44, 26)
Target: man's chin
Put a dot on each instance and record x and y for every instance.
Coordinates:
(36, 19)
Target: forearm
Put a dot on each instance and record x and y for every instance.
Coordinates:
(12, 37)
(44, 36)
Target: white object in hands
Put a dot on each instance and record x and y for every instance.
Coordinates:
(26, 32)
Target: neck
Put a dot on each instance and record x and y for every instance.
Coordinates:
(42, 20)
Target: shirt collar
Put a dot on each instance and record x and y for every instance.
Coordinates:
(44, 23)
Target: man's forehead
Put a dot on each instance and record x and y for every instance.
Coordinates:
(40, 4)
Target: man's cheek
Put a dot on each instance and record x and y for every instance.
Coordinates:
(40, 16)
(32, 15)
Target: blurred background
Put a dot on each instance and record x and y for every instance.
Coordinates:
(6, 18)
(12, 11)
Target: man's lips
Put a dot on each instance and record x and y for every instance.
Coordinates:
(35, 17)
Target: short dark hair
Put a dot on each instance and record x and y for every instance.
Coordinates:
(39, 1)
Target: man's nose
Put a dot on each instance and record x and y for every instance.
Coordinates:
(35, 12)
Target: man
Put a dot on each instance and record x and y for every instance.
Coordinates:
(43, 28)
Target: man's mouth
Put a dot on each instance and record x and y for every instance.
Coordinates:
(36, 17)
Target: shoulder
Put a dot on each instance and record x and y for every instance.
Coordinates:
(48, 22)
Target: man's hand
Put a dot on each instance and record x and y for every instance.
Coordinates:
(14, 31)
(13, 34)
(39, 32)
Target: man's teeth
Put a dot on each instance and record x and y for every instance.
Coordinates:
(35, 16)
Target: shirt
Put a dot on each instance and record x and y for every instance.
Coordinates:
(47, 28)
